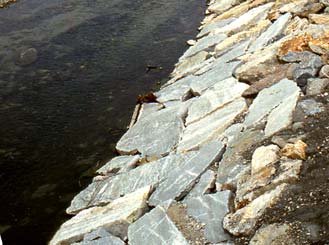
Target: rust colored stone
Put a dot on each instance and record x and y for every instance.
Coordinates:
(295, 44)
(295, 151)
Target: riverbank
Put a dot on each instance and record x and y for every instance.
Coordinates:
(90, 54)
(226, 152)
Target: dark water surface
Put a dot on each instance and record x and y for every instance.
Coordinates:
(61, 115)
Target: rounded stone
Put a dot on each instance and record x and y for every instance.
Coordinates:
(28, 56)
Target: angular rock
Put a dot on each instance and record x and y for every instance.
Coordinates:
(221, 6)
(294, 44)
(316, 86)
(206, 182)
(155, 228)
(281, 117)
(249, 34)
(203, 44)
(190, 64)
(320, 45)
(244, 221)
(214, 98)
(263, 157)
(213, 125)
(311, 107)
(324, 72)
(268, 99)
(179, 90)
(119, 164)
(99, 237)
(215, 25)
(233, 52)
(219, 72)
(272, 33)
(102, 192)
(148, 108)
(233, 162)
(116, 217)
(297, 24)
(280, 72)
(180, 181)
(259, 64)
(319, 18)
(211, 209)
(154, 135)
(295, 151)
(246, 20)
(272, 234)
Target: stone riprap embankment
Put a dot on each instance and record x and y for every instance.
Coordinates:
(205, 162)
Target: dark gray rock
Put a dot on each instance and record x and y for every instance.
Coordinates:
(180, 181)
(211, 209)
(28, 56)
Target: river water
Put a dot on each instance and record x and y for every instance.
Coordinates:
(62, 111)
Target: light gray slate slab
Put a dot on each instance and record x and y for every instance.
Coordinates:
(211, 209)
(178, 91)
(203, 44)
(219, 72)
(119, 164)
(248, 19)
(206, 182)
(100, 237)
(154, 135)
(215, 25)
(155, 228)
(215, 97)
(268, 99)
(105, 191)
(180, 181)
(281, 117)
(149, 108)
(274, 31)
(220, 6)
(202, 131)
(116, 217)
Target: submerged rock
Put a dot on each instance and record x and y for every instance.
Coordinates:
(28, 56)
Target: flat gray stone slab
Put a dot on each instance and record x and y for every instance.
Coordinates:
(271, 33)
(270, 98)
(100, 237)
(203, 44)
(178, 90)
(211, 209)
(149, 108)
(105, 191)
(119, 164)
(215, 97)
(206, 182)
(215, 25)
(246, 20)
(154, 135)
(218, 73)
(116, 217)
(204, 130)
(155, 228)
(180, 181)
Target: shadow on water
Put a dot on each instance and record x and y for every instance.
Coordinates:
(61, 115)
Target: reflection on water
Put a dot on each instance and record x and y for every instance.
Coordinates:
(70, 74)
